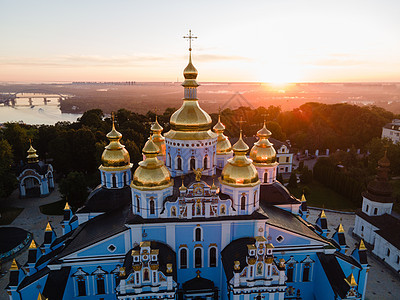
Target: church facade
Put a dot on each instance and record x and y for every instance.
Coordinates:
(198, 219)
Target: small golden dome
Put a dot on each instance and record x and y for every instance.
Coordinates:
(263, 151)
(239, 170)
(190, 72)
(151, 173)
(223, 144)
(384, 161)
(158, 139)
(32, 156)
(115, 156)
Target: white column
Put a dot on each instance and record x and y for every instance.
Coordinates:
(170, 238)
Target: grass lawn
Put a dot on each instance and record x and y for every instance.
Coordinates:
(8, 214)
(56, 208)
(322, 196)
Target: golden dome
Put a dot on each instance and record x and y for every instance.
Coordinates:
(158, 139)
(384, 161)
(32, 156)
(151, 173)
(263, 151)
(190, 122)
(239, 170)
(115, 156)
(223, 144)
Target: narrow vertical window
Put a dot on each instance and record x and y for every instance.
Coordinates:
(125, 183)
(81, 288)
(183, 259)
(375, 211)
(138, 203)
(114, 181)
(197, 258)
(146, 274)
(289, 275)
(266, 177)
(100, 286)
(306, 273)
(198, 235)
(213, 257)
(255, 198)
(169, 160)
(179, 163)
(152, 206)
(205, 162)
(243, 202)
(192, 163)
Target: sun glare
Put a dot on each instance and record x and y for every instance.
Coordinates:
(278, 74)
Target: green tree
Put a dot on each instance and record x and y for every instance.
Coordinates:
(8, 181)
(306, 175)
(17, 137)
(73, 189)
(292, 180)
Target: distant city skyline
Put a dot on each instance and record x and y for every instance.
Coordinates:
(264, 41)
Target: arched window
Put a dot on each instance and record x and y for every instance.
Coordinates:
(213, 257)
(223, 209)
(137, 203)
(259, 268)
(146, 274)
(255, 198)
(152, 206)
(205, 162)
(173, 211)
(114, 181)
(243, 202)
(289, 274)
(192, 163)
(125, 183)
(179, 163)
(104, 179)
(367, 208)
(197, 234)
(197, 258)
(81, 287)
(375, 211)
(266, 177)
(100, 285)
(183, 258)
(169, 160)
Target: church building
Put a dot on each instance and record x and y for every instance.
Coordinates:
(197, 219)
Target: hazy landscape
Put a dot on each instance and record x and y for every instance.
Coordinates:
(144, 96)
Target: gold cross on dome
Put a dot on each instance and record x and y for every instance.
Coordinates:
(190, 37)
(241, 122)
(198, 273)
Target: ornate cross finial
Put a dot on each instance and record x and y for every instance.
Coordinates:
(198, 273)
(241, 122)
(190, 37)
(30, 142)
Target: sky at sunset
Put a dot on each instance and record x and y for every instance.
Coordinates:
(266, 41)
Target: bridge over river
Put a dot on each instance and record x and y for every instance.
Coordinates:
(32, 97)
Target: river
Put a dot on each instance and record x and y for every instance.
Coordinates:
(36, 114)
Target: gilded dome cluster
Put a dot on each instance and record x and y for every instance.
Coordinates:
(240, 171)
(115, 156)
(263, 151)
(151, 173)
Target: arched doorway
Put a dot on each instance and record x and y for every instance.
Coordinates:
(32, 187)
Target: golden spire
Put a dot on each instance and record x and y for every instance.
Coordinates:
(213, 187)
(362, 247)
(240, 146)
(340, 228)
(219, 127)
(33, 244)
(182, 187)
(303, 198)
(32, 156)
(351, 281)
(322, 215)
(41, 297)
(66, 207)
(14, 265)
(48, 227)
(151, 172)
(115, 157)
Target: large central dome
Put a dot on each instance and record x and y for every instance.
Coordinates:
(190, 122)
